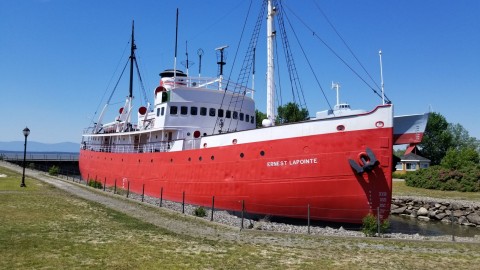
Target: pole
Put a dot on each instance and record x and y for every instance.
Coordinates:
(115, 187)
(378, 221)
(161, 197)
(183, 202)
(104, 183)
(453, 231)
(128, 188)
(143, 192)
(24, 160)
(308, 218)
(213, 207)
(243, 213)
(381, 77)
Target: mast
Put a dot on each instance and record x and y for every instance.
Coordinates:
(381, 77)
(175, 59)
(270, 64)
(336, 86)
(132, 59)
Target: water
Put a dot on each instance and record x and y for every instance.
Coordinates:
(407, 225)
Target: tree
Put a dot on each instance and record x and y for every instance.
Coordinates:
(290, 113)
(259, 116)
(437, 138)
(460, 158)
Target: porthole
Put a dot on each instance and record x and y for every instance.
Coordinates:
(262, 153)
(379, 124)
(340, 128)
(188, 133)
(151, 160)
(200, 158)
(139, 161)
(212, 157)
(234, 141)
(242, 155)
(189, 159)
(205, 145)
(171, 160)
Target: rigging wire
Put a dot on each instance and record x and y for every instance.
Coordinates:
(109, 82)
(310, 65)
(231, 70)
(337, 55)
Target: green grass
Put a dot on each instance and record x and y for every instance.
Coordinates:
(401, 189)
(42, 227)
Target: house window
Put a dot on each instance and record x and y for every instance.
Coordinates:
(411, 166)
(173, 110)
(423, 165)
(203, 111)
(193, 110)
(399, 166)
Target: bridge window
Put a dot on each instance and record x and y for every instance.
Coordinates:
(203, 111)
(235, 115)
(184, 110)
(247, 118)
(174, 110)
(220, 112)
(241, 116)
(193, 110)
(252, 119)
(229, 114)
(158, 111)
(162, 113)
(211, 112)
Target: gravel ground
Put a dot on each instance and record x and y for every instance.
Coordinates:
(225, 226)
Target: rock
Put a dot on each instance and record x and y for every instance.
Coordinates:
(446, 220)
(437, 205)
(474, 218)
(431, 214)
(393, 206)
(422, 218)
(462, 220)
(413, 214)
(458, 213)
(440, 216)
(408, 211)
(442, 208)
(422, 211)
(398, 210)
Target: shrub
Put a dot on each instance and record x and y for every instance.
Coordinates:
(465, 179)
(31, 166)
(54, 170)
(369, 227)
(95, 184)
(200, 212)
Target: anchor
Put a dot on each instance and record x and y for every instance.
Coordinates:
(368, 160)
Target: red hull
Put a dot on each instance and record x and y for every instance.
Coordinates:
(291, 175)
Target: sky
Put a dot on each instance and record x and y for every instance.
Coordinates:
(59, 58)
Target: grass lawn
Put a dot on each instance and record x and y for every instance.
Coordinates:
(42, 227)
(401, 189)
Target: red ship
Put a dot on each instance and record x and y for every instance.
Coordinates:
(200, 141)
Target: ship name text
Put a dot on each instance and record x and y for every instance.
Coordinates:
(280, 163)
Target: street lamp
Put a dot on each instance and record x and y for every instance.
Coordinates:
(26, 132)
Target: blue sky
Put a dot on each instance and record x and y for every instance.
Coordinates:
(58, 56)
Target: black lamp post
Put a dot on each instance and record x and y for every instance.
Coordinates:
(26, 132)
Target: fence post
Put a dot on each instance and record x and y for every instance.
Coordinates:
(378, 221)
(104, 183)
(453, 231)
(143, 192)
(308, 218)
(213, 207)
(183, 202)
(128, 188)
(161, 197)
(115, 187)
(243, 213)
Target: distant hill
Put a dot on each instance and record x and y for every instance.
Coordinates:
(40, 147)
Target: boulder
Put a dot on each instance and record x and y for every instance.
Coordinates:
(398, 210)
(440, 216)
(393, 206)
(458, 213)
(422, 211)
(437, 205)
(474, 218)
(423, 218)
(462, 220)
(431, 214)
